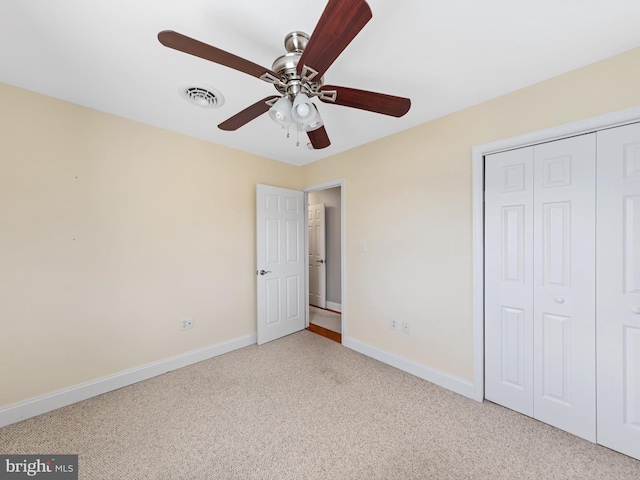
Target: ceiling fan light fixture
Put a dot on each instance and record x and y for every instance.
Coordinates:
(315, 123)
(303, 110)
(313, 126)
(281, 111)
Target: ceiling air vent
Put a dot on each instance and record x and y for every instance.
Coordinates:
(205, 97)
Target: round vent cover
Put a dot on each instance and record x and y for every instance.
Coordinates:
(206, 97)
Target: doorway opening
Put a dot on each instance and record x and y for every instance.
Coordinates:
(326, 323)
(325, 265)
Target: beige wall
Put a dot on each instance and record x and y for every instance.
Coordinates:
(409, 197)
(110, 232)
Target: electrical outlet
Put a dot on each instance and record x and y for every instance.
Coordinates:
(187, 323)
(393, 323)
(406, 328)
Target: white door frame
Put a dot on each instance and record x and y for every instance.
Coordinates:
(343, 258)
(601, 122)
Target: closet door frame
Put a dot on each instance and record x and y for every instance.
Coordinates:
(601, 122)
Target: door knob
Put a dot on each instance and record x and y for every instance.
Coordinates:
(264, 272)
(320, 261)
(636, 310)
(559, 300)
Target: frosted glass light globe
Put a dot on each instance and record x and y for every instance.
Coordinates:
(303, 109)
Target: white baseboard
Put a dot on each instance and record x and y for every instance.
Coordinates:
(46, 403)
(336, 307)
(463, 387)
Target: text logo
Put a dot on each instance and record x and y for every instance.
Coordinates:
(49, 467)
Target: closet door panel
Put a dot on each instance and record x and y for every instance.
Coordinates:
(618, 286)
(509, 279)
(564, 284)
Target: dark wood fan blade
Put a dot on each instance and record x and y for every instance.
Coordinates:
(364, 100)
(319, 138)
(185, 44)
(339, 24)
(248, 114)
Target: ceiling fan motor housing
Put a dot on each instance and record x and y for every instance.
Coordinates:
(296, 41)
(285, 66)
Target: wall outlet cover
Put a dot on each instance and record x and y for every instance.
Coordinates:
(187, 323)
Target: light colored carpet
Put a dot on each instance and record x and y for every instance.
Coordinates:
(304, 407)
(324, 318)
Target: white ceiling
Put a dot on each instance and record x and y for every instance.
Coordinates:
(444, 55)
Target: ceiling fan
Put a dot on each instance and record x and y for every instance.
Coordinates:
(298, 75)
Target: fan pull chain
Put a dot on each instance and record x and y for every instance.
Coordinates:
(298, 136)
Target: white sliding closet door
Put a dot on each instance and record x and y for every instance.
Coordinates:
(509, 279)
(540, 282)
(618, 308)
(564, 285)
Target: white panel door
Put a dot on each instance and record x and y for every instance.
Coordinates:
(280, 262)
(509, 279)
(317, 257)
(564, 285)
(618, 300)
